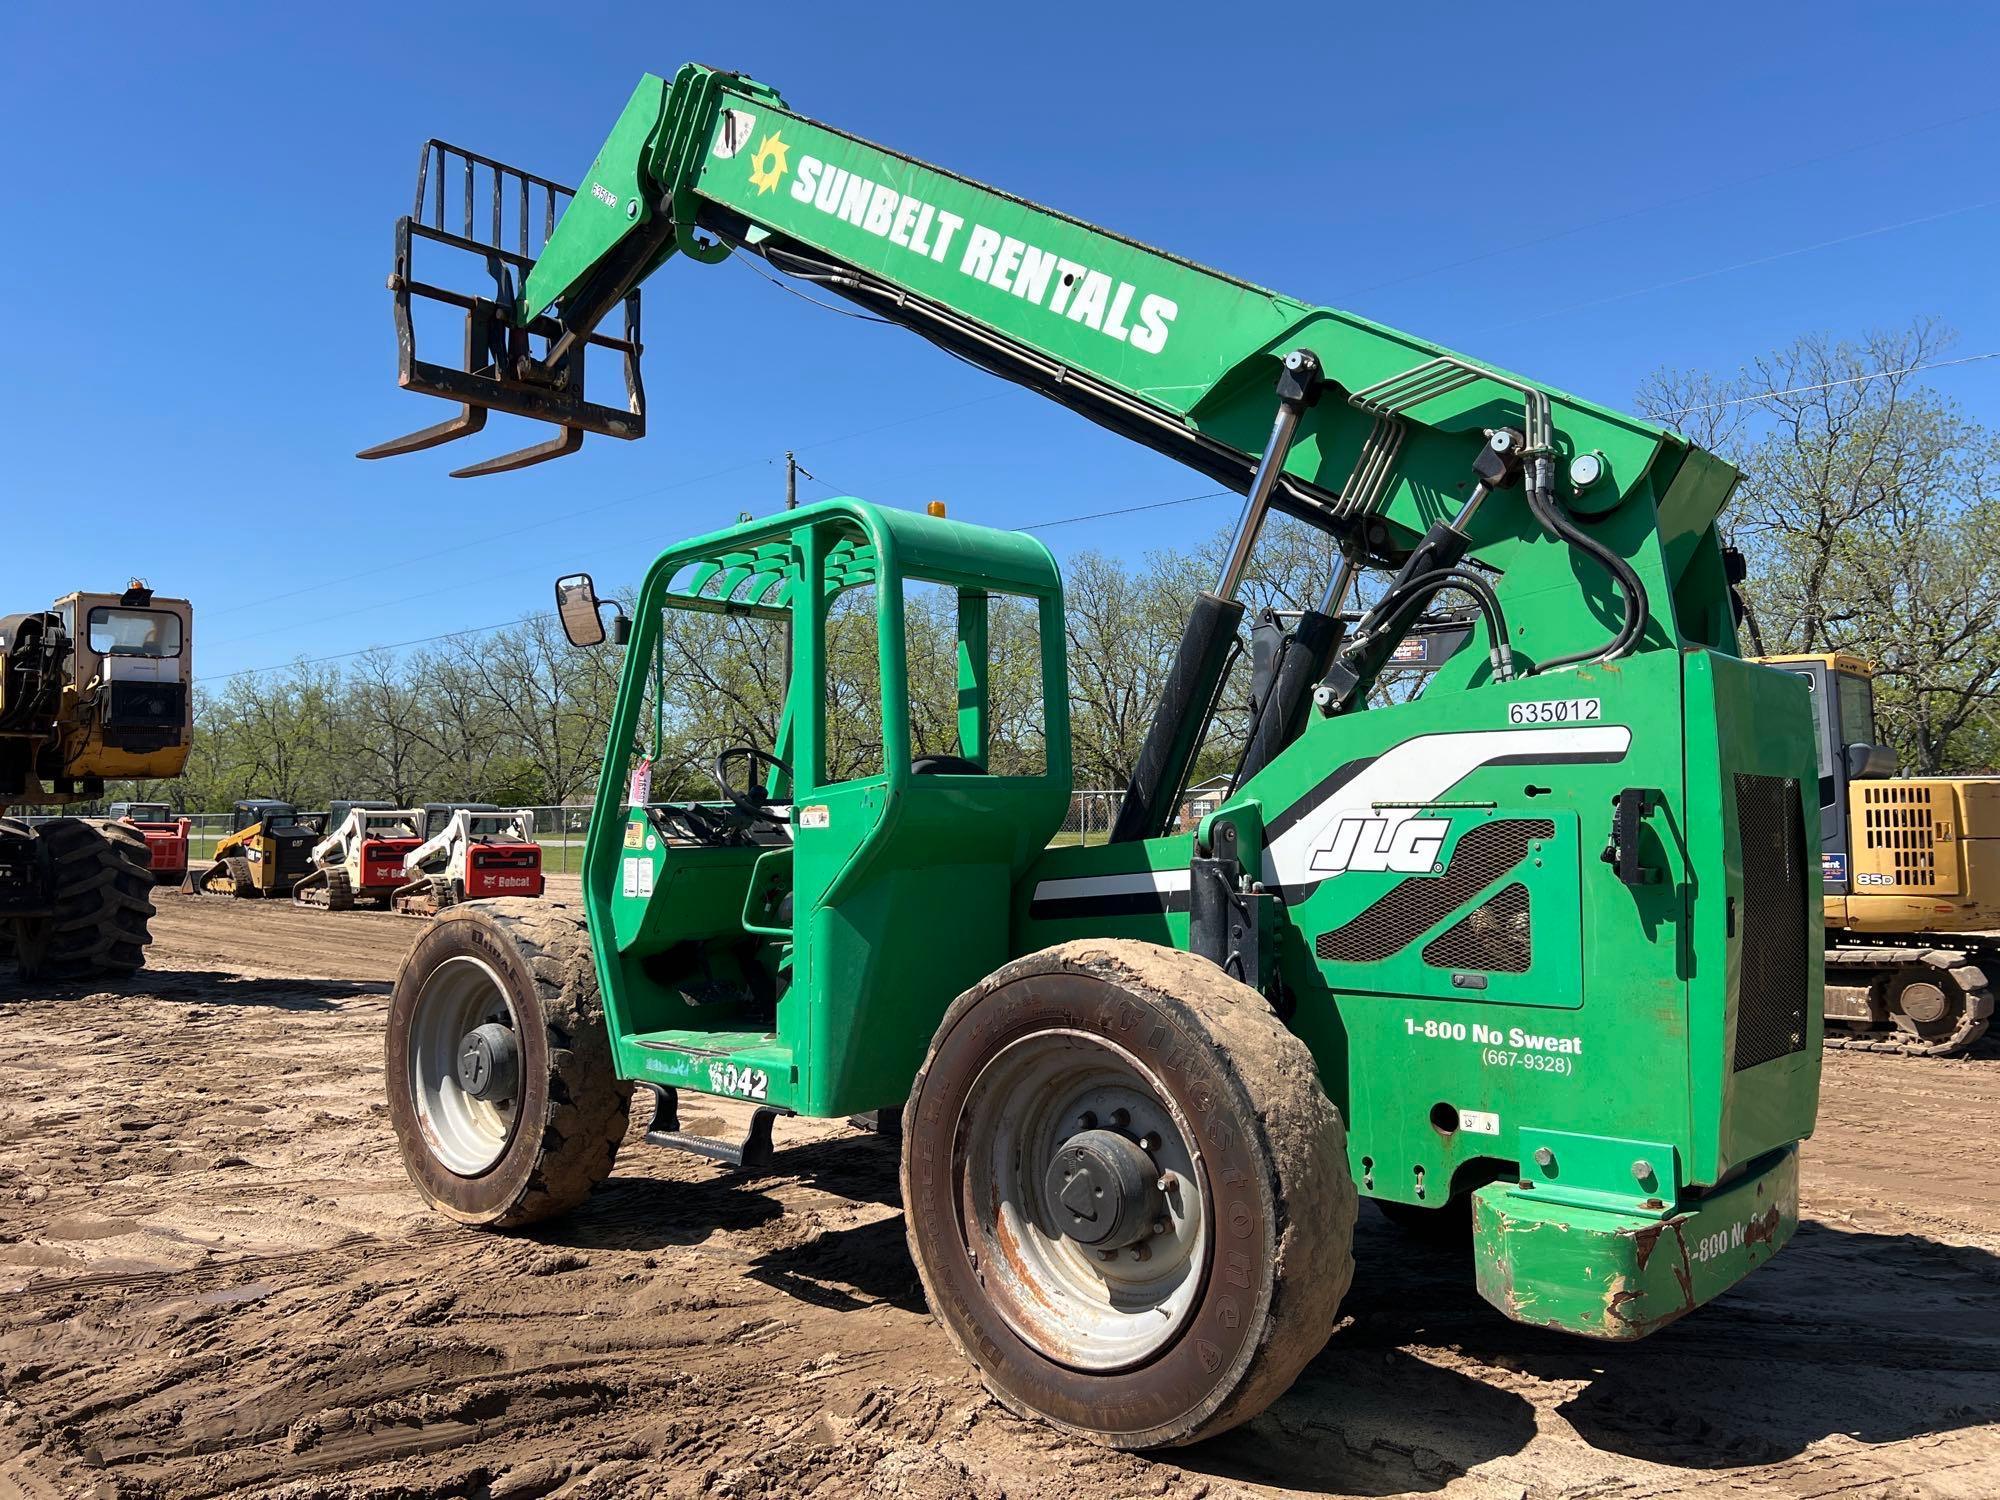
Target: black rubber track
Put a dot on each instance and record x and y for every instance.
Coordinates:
(572, 1107)
(1277, 1180)
(100, 880)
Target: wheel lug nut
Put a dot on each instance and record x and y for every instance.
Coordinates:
(1086, 1121)
(1169, 1183)
(1142, 1252)
(1150, 1141)
(1159, 1226)
(1120, 1118)
(1107, 1255)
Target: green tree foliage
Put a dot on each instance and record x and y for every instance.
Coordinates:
(1868, 512)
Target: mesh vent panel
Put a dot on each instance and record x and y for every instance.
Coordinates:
(1773, 928)
(1900, 818)
(1409, 909)
(1494, 937)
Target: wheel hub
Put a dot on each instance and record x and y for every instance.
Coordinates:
(1104, 1190)
(1922, 1003)
(489, 1062)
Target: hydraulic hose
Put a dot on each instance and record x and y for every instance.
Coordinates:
(1418, 592)
(1542, 504)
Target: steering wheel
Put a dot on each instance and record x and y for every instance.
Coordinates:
(751, 800)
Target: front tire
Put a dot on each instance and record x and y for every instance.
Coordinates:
(1116, 1094)
(99, 881)
(501, 1085)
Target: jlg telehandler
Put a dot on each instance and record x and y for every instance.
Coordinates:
(93, 688)
(1544, 936)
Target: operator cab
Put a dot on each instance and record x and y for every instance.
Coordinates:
(1843, 704)
(899, 753)
(141, 812)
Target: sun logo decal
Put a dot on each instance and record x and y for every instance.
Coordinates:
(767, 167)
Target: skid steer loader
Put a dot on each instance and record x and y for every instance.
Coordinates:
(267, 852)
(1910, 870)
(93, 688)
(1541, 939)
(361, 857)
(472, 852)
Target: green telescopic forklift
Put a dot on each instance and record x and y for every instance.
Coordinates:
(1538, 947)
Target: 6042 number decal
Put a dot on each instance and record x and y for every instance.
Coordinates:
(743, 1083)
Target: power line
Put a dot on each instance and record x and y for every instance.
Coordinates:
(1685, 198)
(1126, 510)
(1824, 385)
(1743, 265)
(566, 516)
(313, 661)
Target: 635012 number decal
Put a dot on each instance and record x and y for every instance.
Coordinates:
(1556, 711)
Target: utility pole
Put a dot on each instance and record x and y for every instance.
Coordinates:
(791, 481)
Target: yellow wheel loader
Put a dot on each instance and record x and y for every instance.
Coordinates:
(95, 687)
(1910, 867)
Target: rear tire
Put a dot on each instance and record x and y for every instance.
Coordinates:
(514, 1155)
(1249, 1248)
(99, 880)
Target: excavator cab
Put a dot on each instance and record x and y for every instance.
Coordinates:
(1910, 873)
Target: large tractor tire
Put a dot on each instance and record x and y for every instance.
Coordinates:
(501, 1085)
(1126, 1193)
(98, 878)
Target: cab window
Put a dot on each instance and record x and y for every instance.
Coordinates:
(134, 632)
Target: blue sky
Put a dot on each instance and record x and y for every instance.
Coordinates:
(200, 204)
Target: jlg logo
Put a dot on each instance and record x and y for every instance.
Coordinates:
(1408, 846)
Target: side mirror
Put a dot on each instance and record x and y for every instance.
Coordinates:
(1870, 762)
(578, 607)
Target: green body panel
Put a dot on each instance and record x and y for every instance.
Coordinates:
(1479, 986)
(1621, 1276)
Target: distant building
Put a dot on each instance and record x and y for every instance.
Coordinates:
(1201, 799)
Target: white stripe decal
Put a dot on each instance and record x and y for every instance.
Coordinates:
(1420, 770)
(1137, 883)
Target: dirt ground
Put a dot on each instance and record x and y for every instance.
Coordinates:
(214, 1278)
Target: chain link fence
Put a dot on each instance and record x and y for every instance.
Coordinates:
(561, 830)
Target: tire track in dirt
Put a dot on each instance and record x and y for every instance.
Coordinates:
(215, 1279)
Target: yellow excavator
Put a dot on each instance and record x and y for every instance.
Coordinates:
(93, 688)
(1910, 867)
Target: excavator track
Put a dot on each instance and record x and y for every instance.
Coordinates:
(1952, 981)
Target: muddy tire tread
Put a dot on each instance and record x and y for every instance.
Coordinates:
(588, 1105)
(101, 881)
(1312, 1190)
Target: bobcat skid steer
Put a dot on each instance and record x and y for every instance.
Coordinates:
(473, 854)
(361, 858)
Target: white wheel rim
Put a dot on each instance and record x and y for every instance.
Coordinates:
(1073, 1304)
(467, 1135)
